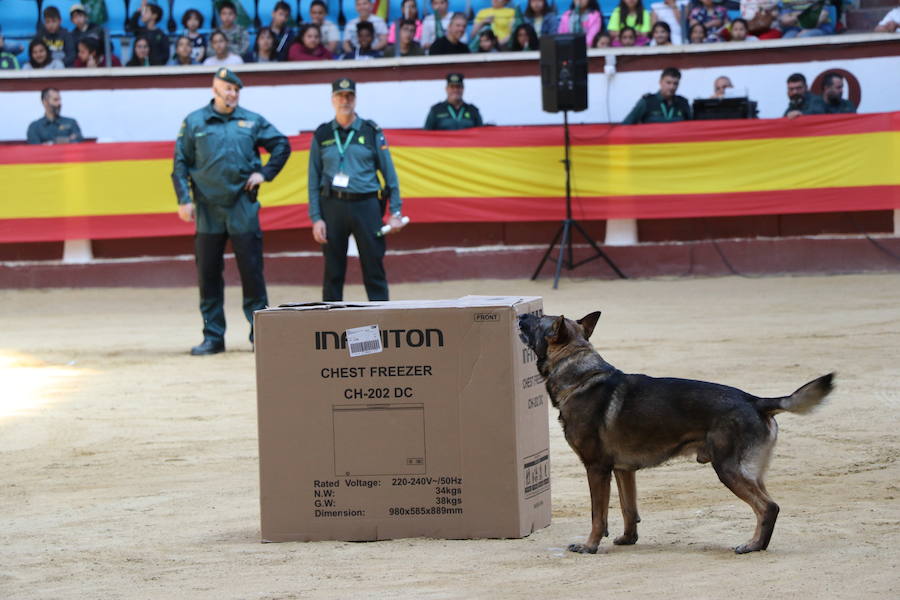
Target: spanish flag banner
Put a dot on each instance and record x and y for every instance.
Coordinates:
(695, 169)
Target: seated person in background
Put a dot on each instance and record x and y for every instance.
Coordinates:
(221, 54)
(762, 18)
(283, 34)
(628, 38)
(697, 34)
(664, 106)
(800, 100)
(150, 15)
(405, 44)
(263, 48)
(668, 12)
(833, 95)
(661, 34)
(542, 17)
(584, 17)
(435, 25)
(58, 40)
(453, 113)
(523, 38)
(237, 36)
(364, 10)
(713, 16)
(91, 55)
(39, 57)
(631, 13)
(799, 18)
(331, 35)
(740, 31)
(184, 53)
(487, 41)
(308, 45)
(8, 60)
(140, 53)
(408, 12)
(890, 23)
(452, 42)
(52, 128)
(721, 86)
(499, 17)
(82, 25)
(363, 48)
(602, 40)
(193, 21)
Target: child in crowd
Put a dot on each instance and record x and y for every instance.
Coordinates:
(57, 39)
(668, 12)
(140, 54)
(406, 44)
(330, 34)
(628, 38)
(40, 57)
(309, 46)
(82, 25)
(237, 36)
(435, 25)
(184, 53)
(740, 32)
(499, 17)
(713, 16)
(221, 54)
(281, 29)
(408, 11)
(633, 14)
(264, 48)
(602, 40)
(8, 60)
(145, 23)
(542, 17)
(697, 33)
(524, 38)
(661, 34)
(487, 41)
(364, 12)
(192, 20)
(90, 54)
(365, 38)
(582, 17)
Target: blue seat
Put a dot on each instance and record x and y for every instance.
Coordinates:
(19, 18)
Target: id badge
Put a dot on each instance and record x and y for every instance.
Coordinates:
(340, 180)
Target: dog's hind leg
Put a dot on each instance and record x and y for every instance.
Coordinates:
(598, 482)
(753, 493)
(628, 501)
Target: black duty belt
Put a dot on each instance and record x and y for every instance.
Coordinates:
(351, 196)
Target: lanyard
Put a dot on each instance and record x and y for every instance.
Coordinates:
(456, 116)
(667, 112)
(342, 148)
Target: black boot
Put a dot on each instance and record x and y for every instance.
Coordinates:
(208, 347)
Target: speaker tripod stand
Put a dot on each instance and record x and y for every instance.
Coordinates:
(564, 233)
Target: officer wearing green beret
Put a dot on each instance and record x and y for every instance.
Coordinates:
(664, 106)
(217, 174)
(344, 156)
(453, 113)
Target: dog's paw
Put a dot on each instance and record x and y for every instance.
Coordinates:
(582, 549)
(626, 540)
(746, 548)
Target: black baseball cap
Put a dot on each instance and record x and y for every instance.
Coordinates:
(455, 79)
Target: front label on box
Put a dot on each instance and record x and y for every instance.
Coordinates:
(422, 496)
(364, 340)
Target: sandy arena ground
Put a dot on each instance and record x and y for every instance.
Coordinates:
(129, 469)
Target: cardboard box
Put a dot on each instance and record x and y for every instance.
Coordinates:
(427, 418)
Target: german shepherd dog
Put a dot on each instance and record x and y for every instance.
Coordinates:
(618, 423)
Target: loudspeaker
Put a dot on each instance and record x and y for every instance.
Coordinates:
(564, 71)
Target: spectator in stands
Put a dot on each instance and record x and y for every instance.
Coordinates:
(331, 36)
(664, 106)
(405, 45)
(661, 34)
(140, 53)
(364, 12)
(629, 38)
(284, 35)
(890, 23)
(151, 15)
(499, 18)
(309, 46)
(487, 41)
(183, 57)
(713, 16)
(237, 36)
(453, 113)
(762, 18)
(193, 21)
(221, 51)
(631, 13)
(408, 11)
(57, 39)
(52, 128)
(721, 86)
(263, 48)
(668, 12)
(523, 38)
(39, 57)
(602, 40)
(91, 55)
(8, 60)
(800, 18)
(363, 48)
(584, 17)
(800, 100)
(833, 95)
(542, 17)
(740, 31)
(452, 42)
(697, 34)
(435, 25)
(82, 25)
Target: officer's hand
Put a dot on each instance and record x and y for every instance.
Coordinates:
(319, 233)
(186, 212)
(253, 181)
(793, 114)
(396, 224)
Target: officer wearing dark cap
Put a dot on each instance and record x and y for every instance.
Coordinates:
(344, 156)
(217, 174)
(453, 113)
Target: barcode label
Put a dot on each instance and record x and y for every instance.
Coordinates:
(364, 340)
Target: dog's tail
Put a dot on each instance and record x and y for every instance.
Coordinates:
(803, 401)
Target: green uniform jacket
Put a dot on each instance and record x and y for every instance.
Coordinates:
(441, 117)
(842, 107)
(62, 130)
(810, 104)
(366, 153)
(652, 109)
(216, 153)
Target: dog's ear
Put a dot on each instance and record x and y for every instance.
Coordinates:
(559, 333)
(588, 322)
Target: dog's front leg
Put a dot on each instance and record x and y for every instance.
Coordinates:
(628, 500)
(599, 479)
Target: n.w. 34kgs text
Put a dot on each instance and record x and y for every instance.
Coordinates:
(378, 393)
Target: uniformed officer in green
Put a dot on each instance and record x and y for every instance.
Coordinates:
(800, 100)
(453, 113)
(833, 95)
(52, 128)
(344, 156)
(664, 106)
(217, 174)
